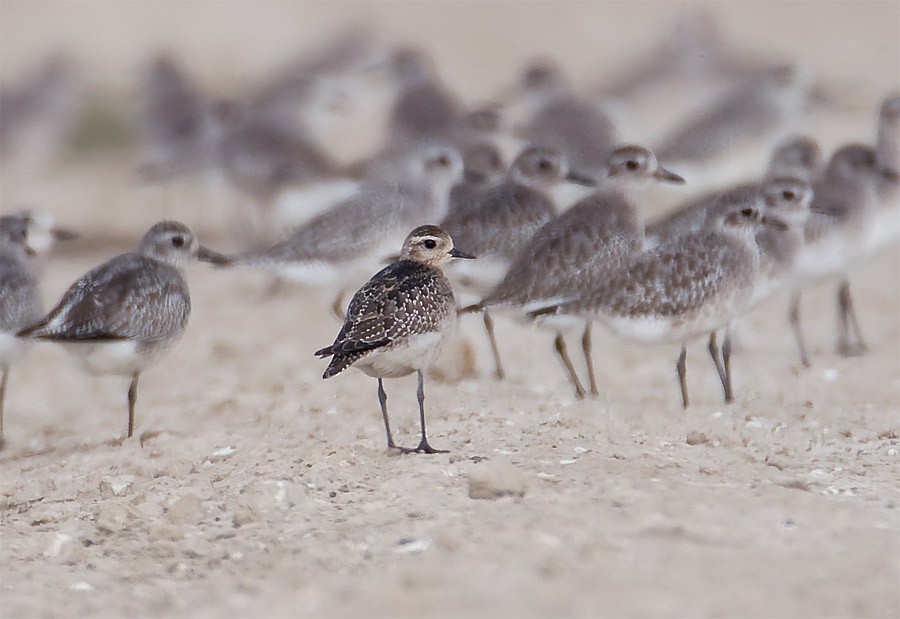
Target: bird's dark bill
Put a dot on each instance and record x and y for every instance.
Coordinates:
(213, 257)
(668, 176)
(581, 179)
(461, 254)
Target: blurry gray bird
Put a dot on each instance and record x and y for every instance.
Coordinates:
(175, 132)
(424, 108)
(263, 157)
(856, 213)
(601, 233)
(483, 167)
(509, 213)
(714, 143)
(36, 118)
(398, 321)
(560, 121)
(335, 246)
(23, 237)
(323, 74)
(798, 157)
(122, 316)
(689, 286)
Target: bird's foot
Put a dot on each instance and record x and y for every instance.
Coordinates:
(424, 448)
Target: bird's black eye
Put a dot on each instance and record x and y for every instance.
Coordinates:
(787, 194)
(178, 241)
(747, 212)
(631, 164)
(429, 243)
(544, 165)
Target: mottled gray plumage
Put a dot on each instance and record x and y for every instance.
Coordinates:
(396, 323)
(798, 157)
(510, 212)
(131, 297)
(119, 317)
(20, 303)
(380, 210)
(405, 298)
(597, 234)
(690, 285)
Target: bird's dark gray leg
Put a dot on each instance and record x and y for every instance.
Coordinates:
(588, 358)
(489, 328)
(726, 361)
(424, 447)
(3, 381)
(794, 318)
(848, 346)
(382, 399)
(681, 368)
(560, 345)
(132, 400)
(717, 361)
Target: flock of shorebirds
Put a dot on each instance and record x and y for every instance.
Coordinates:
(491, 185)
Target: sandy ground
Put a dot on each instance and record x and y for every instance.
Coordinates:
(257, 489)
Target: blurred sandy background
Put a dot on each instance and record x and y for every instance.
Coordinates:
(260, 490)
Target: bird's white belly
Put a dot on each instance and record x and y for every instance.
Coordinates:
(115, 358)
(417, 353)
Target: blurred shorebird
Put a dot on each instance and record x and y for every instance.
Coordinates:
(335, 246)
(601, 233)
(122, 316)
(689, 286)
(23, 237)
(398, 321)
(509, 213)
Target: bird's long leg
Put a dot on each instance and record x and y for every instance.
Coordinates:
(681, 368)
(794, 318)
(560, 345)
(726, 361)
(132, 400)
(586, 347)
(848, 345)
(489, 329)
(717, 360)
(424, 447)
(3, 380)
(382, 399)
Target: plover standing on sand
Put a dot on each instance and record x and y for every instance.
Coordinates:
(352, 237)
(685, 288)
(121, 316)
(602, 232)
(24, 237)
(397, 322)
(508, 214)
